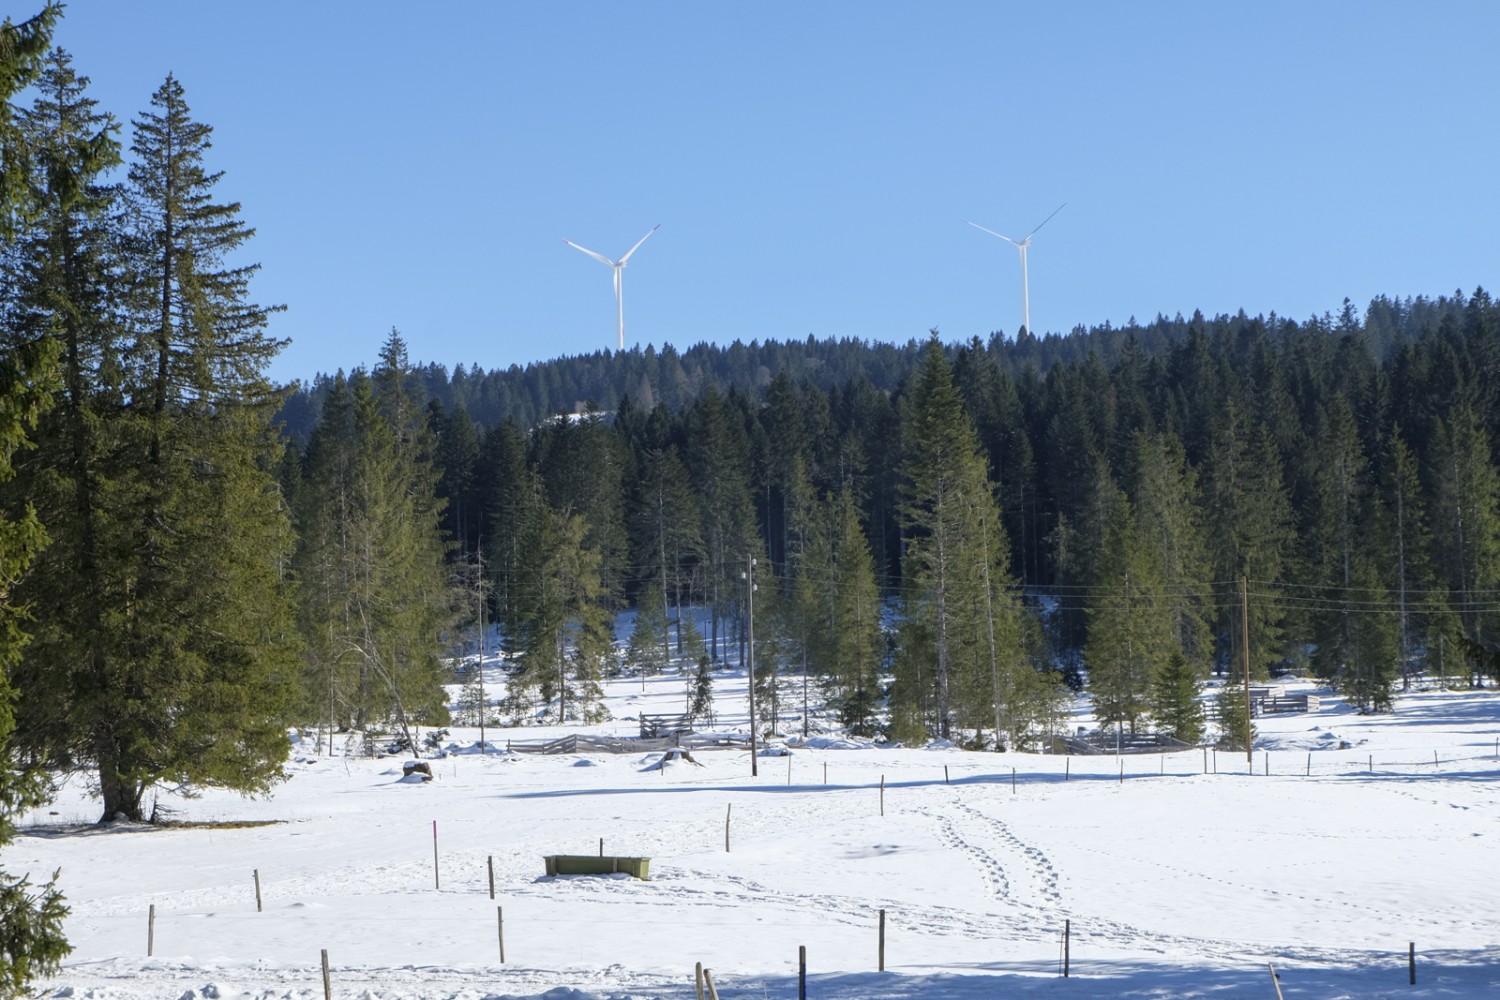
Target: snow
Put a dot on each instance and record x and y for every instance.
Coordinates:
(1181, 875)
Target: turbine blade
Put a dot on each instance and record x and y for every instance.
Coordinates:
(993, 233)
(638, 243)
(1048, 219)
(597, 256)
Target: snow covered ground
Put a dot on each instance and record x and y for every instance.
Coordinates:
(1366, 835)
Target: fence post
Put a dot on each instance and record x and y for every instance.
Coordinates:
(1309, 765)
(151, 930)
(882, 940)
(437, 882)
(1012, 781)
(945, 775)
(1275, 981)
(698, 979)
(1067, 767)
(1067, 945)
(802, 972)
(1411, 962)
(257, 891)
(500, 927)
(491, 861)
(708, 980)
(882, 795)
(327, 983)
(728, 810)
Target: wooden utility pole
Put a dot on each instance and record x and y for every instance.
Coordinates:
(749, 577)
(479, 589)
(1245, 647)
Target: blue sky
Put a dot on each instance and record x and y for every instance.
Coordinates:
(811, 164)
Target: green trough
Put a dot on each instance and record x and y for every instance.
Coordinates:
(589, 864)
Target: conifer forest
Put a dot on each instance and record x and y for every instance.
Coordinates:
(940, 540)
(944, 540)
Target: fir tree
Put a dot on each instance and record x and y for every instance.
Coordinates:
(31, 936)
(1174, 699)
(191, 685)
(955, 574)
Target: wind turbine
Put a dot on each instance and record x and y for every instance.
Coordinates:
(619, 266)
(1021, 245)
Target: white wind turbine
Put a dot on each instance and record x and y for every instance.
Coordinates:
(619, 266)
(1021, 245)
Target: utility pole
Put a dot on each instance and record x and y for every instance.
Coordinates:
(479, 590)
(1245, 646)
(749, 577)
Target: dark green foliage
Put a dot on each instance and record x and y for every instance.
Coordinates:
(1174, 700)
(31, 936)
(701, 693)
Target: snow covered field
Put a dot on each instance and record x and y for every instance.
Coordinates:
(1176, 882)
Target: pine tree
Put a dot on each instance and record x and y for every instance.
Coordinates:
(31, 936)
(191, 685)
(375, 595)
(563, 628)
(701, 692)
(1466, 521)
(1174, 699)
(1130, 635)
(62, 272)
(955, 574)
(1249, 528)
(649, 645)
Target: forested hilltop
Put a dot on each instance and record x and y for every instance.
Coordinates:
(1117, 515)
(650, 376)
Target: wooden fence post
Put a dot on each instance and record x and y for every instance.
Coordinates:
(437, 882)
(257, 891)
(708, 980)
(1012, 781)
(945, 775)
(698, 979)
(601, 847)
(151, 930)
(327, 983)
(1067, 945)
(728, 810)
(882, 940)
(1411, 962)
(1067, 767)
(802, 972)
(882, 795)
(500, 928)
(491, 864)
(1275, 981)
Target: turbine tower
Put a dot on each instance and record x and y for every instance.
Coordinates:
(619, 266)
(1021, 245)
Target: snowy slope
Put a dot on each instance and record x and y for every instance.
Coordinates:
(1175, 882)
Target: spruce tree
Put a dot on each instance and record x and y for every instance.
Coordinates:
(376, 599)
(956, 578)
(31, 937)
(1130, 633)
(185, 679)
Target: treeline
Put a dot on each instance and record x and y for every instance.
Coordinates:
(649, 376)
(1254, 484)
